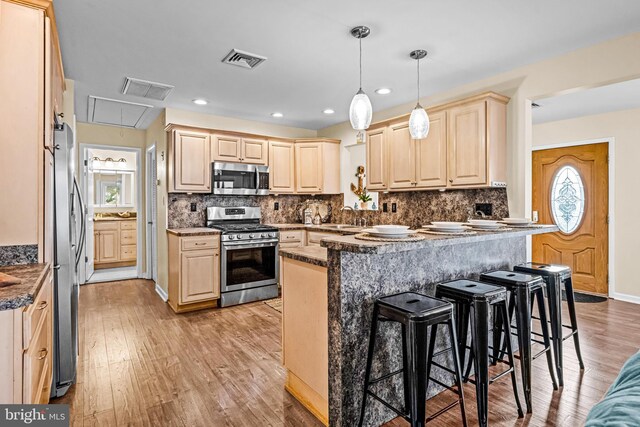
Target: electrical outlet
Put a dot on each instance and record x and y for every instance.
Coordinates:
(385, 207)
(276, 206)
(194, 207)
(394, 207)
(485, 208)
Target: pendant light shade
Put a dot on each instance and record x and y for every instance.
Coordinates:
(419, 120)
(360, 111)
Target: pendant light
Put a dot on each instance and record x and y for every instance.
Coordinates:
(419, 120)
(360, 111)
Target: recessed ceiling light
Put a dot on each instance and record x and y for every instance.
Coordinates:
(277, 115)
(200, 101)
(383, 91)
(328, 111)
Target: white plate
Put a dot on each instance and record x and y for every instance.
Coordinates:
(400, 235)
(447, 224)
(483, 222)
(516, 221)
(391, 229)
(459, 229)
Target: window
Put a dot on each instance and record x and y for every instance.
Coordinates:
(567, 199)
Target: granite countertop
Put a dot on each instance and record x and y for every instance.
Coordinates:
(351, 244)
(323, 227)
(112, 218)
(315, 255)
(22, 294)
(196, 231)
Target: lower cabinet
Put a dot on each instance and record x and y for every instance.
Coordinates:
(194, 272)
(115, 243)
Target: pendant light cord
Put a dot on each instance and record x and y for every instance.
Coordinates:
(418, 80)
(360, 40)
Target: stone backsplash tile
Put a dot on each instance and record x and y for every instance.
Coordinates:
(18, 254)
(413, 208)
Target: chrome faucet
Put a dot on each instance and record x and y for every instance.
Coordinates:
(481, 214)
(349, 208)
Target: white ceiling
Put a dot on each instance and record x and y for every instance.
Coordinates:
(603, 99)
(312, 59)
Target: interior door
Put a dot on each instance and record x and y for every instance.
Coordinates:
(570, 189)
(89, 213)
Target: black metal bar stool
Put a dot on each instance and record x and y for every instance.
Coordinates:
(556, 276)
(474, 301)
(415, 313)
(524, 291)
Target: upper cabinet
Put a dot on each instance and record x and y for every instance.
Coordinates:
(317, 166)
(465, 148)
(190, 164)
(282, 167)
(231, 148)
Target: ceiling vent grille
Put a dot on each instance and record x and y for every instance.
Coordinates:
(146, 89)
(243, 59)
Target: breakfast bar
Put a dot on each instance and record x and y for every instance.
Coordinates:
(358, 272)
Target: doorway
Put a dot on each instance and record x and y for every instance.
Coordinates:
(570, 188)
(113, 192)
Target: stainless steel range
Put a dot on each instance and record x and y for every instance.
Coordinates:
(249, 262)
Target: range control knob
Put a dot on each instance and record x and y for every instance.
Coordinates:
(264, 235)
(239, 236)
(251, 236)
(232, 237)
(272, 234)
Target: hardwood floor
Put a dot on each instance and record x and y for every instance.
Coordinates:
(141, 364)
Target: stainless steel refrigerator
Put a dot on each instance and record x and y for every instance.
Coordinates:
(69, 240)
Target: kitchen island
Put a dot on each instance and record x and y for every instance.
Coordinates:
(360, 271)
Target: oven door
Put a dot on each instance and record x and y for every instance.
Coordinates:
(247, 265)
(239, 179)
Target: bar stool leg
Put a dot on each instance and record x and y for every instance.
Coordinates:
(367, 372)
(555, 315)
(480, 345)
(523, 322)
(497, 337)
(503, 310)
(457, 369)
(542, 314)
(462, 321)
(405, 371)
(416, 344)
(568, 287)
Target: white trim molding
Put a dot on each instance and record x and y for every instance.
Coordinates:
(611, 142)
(162, 293)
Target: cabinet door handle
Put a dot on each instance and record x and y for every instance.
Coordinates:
(451, 181)
(200, 244)
(42, 305)
(42, 353)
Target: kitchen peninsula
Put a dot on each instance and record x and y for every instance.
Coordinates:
(356, 272)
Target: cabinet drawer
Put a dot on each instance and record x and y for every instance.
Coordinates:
(285, 245)
(36, 362)
(291, 236)
(128, 225)
(33, 315)
(128, 252)
(200, 242)
(314, 237)
(128, 237)
(105, 225)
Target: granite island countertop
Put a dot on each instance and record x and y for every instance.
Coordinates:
(349, 243)
(323, 227)
(315, 255)
(24, 293)
(195, 231)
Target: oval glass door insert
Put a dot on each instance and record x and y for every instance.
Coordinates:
(567, 199)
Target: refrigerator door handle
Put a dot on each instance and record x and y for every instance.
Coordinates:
(83, 228)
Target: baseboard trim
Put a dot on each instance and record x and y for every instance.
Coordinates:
(162, 293)
(625, 297)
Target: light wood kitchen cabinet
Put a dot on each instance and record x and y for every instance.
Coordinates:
(431, 154)
(401, 157)
(281, 167)
(467, 144)
(317, 165)
(190, 168)
(194, 272)
(292, 238)
(237, 149)
(377, 170)
(26, 353)
(115, 243)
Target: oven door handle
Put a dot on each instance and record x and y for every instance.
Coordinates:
(245, 245)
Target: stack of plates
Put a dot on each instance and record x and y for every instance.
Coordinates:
(517, 222)
(485, 224)
(389, 231)
(446, 227)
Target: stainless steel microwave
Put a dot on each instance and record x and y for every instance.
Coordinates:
(240, 179)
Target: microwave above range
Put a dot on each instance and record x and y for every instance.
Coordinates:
(239, 179)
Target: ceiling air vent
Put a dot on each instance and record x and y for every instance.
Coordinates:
(114, 112)
(146, 89)
(243, 59)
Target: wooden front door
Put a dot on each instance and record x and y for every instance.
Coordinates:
(571, 190)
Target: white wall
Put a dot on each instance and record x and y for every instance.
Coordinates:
(624, 127)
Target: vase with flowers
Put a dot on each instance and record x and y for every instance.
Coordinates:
(364, 198)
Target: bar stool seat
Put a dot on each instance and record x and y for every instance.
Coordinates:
(415, 313)
(524, 291)
(556, 277)
(474, 301)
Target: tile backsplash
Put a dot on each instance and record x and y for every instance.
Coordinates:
(413, 208)
(18, 254)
